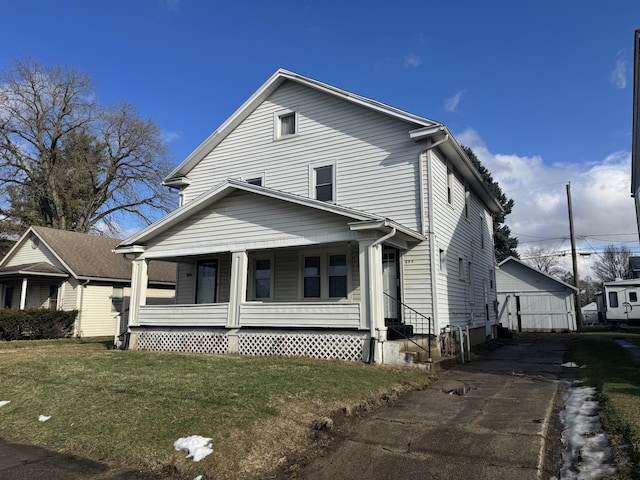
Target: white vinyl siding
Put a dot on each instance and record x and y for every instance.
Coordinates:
(376, 160)
(27, 254)
(460, 300)
(239, 220)
(96, 318)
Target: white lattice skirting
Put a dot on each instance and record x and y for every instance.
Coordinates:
(184, 341)
(323, 345)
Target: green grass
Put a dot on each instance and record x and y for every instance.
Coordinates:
(129, 407)
(616, 375)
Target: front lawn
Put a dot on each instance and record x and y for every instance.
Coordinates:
(616, 375)
(129, 407)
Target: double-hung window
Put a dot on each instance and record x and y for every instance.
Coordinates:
(325, 276)
(312, 277)
(262, 286)
(322, 181)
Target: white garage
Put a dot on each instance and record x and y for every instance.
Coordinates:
(532, 301)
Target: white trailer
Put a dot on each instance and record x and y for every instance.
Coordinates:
(620, 301)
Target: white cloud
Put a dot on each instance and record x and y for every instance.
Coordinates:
(171, 136)
(618, 76)
(600, 194)
(412, 60)
(451, 104)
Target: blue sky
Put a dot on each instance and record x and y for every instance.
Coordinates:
(542, 91)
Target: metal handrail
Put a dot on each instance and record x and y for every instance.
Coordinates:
(419, 321)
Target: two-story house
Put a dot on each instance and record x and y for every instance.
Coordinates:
(312, 221)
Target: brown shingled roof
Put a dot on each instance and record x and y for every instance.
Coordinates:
(91, 256)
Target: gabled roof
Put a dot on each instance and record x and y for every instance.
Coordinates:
(421, 129)
(535, 270)
(263, 93)
(363, 219)
(85, 256)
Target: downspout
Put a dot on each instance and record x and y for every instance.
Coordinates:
(373, 333)
(431, 232)
(80, 308)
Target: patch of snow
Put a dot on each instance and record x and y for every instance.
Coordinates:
(197, 446)
(43, 418)
(572, 365)
(199, 477)
(586, 454)
(4, 402)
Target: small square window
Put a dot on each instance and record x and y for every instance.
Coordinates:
(287, 124)
(633, 297)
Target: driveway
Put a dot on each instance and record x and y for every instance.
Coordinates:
(487, 419)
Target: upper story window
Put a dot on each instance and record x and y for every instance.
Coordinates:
(322, 182)
(482, 229)
(449, 185)
(255, 181)
(286, 124)
(467, 201)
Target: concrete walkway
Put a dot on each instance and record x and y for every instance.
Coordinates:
(487, 419)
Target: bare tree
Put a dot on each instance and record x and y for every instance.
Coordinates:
(68, 162)
(543, 259)
(613, 263)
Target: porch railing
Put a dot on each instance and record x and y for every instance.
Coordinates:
(409, 317)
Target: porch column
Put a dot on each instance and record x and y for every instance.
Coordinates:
(371, 287)
(238, 287)
(23, 294)
(139, 280)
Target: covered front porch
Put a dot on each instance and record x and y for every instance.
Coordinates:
(259, 269)
(33, 285)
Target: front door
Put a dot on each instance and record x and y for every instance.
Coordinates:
(391, 283)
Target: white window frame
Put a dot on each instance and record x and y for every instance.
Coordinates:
(277, 124)
(312, 178)
(252, 278)
(450, 184)
(442, 261)
(467, 202)
(324, 274)
(260, 175)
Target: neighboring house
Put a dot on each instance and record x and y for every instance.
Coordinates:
(57, 269)
(532, 301)
(635, 131)
(619, 302)
(634, 267)
(311, 222)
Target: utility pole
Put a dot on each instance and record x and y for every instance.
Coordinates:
(574, 258)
